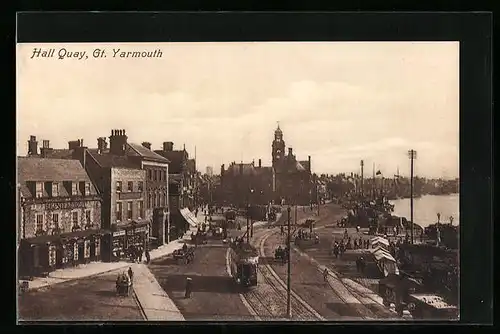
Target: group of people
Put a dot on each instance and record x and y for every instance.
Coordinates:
(346, 243)
(136, 253)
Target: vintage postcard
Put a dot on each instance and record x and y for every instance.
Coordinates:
(238, 181)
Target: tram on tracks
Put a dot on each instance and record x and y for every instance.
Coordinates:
(243, 262)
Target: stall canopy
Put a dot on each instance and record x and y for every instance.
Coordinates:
(386, 262)
(380, 242)
(189, 217)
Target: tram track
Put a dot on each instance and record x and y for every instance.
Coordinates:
(272, 302)
(138, 302)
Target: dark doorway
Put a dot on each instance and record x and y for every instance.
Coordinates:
(59, 257)
(92, 249)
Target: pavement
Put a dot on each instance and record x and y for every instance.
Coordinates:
(155, 303)
(96, 268)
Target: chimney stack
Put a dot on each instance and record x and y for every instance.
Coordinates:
(222, 169)
(260, 163)
(101, 144)
(45, 149)
(290, 152)
(32, 146)
(74, 144)
(168, 146)
(309, 158)
(117, 142)
(147, 145)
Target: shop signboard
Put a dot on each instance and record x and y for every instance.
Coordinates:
(65, 205)
(141, 229)
(118, 233)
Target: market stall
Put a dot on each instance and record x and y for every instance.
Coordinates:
(431, 306)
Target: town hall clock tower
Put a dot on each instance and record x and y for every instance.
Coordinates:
(278, 148)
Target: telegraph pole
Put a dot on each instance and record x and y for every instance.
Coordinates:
(289, 273)
(248, 222)
(412, 154)
(362, 164)
(317, 195)
(251, 219)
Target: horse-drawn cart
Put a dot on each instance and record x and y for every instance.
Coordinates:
(184, 255)
(123, 285)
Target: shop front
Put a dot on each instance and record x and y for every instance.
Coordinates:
(43, 254)
(128, 238)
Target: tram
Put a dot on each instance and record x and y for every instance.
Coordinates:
(243, 262)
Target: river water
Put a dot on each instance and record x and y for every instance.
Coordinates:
(426, 207)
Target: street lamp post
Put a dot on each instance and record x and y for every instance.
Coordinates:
(412, 154)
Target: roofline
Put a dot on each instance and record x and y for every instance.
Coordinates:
(97, 162)
(148, 158)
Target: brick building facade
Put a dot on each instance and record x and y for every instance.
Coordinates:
(122, 186)
(60, 215)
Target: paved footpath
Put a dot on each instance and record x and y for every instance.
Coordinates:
(96, 268)
(155, 303)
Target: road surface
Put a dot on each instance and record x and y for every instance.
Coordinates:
(215, 296)
(86, 299)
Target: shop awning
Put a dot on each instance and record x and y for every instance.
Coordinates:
(189, 217)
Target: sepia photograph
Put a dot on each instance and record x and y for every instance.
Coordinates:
(238, 181)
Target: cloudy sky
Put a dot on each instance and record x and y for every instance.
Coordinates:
(338, 102)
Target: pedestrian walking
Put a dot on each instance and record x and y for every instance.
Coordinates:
(189, 283)
(130, 274)
(325, 275)
(148, 257)
(139, 255)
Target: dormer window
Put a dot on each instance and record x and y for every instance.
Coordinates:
(87, 188)
(39, 189)
(74, 189)
(55, 189)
